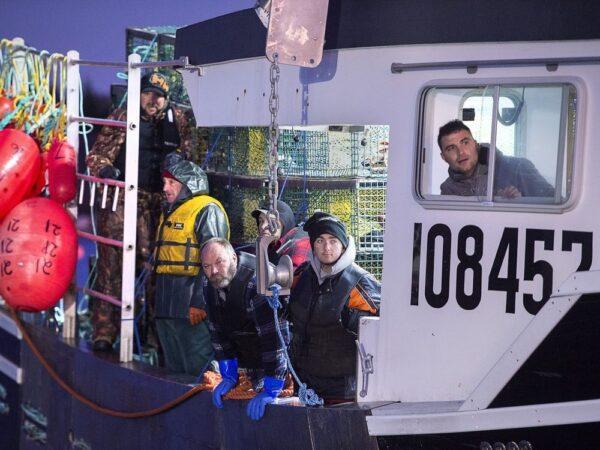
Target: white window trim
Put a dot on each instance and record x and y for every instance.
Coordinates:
(477, 204)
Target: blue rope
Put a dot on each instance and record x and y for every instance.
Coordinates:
(307, 396)
(123, 75)
(211, 150)
(244, 247)
(140, 291)
(136, 333)
(283, 186)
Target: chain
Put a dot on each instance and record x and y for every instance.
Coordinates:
(273, 215)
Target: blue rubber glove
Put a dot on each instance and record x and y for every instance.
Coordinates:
(229, 372)
(256, 407)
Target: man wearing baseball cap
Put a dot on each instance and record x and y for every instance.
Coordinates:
(163, 129)
(329, 295)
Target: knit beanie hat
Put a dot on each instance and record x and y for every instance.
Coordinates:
(320, 223)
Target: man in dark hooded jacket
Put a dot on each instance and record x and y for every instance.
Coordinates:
(468, 170)
(291, 240)
(329, 295)
(190, 217)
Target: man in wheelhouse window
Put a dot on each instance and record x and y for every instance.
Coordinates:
(468, 169)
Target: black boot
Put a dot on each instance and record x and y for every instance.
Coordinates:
(102, 345)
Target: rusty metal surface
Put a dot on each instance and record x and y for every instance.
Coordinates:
(297, 32)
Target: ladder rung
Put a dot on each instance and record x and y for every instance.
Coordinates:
(85, 62)
(181, 62)
(101, 239)
(108, 181)
(100, 295)
(96, 121)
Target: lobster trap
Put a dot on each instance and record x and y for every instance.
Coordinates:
(313, 152)
(359, 203)
(341, 170)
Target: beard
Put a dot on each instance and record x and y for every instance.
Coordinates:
(222, 281)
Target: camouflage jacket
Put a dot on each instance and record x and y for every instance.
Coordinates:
(109, 142)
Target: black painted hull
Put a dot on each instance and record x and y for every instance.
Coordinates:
(43, 415)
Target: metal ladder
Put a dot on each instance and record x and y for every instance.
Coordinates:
(129, 187)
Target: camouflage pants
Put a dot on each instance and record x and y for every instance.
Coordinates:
(106, 317)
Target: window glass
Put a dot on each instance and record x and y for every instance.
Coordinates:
(533, 131)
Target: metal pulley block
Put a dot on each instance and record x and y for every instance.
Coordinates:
(268, 274)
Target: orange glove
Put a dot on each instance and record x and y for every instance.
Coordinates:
(197, 315)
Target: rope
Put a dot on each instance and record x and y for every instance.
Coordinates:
(283, 186)
(140, 292)
(307, 396)
(30, 80)
(211, 150)
(243, 390)
(84, 130)
(123, 75)
(202, 371)
(93, 405)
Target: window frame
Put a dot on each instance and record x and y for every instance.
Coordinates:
(476, 203)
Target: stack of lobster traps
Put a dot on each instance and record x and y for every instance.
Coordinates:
(338, 169)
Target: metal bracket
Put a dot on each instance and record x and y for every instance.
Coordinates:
(296, 32)
(366, 364)
(199, 70)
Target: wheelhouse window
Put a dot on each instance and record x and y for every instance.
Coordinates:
(530, 128)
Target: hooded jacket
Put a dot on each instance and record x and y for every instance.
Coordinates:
(176, 293)
(294, 240)
(326, 304)
(509, 171)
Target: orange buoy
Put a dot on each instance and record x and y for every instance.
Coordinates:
(6, 106)
(20, 163)
(62, 166)
(38, 254)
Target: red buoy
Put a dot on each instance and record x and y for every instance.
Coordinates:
(6, 106)
(20, 163)
(62, 166)
(40, 181)
(38, 254)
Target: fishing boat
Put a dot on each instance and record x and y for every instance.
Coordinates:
(487, 336)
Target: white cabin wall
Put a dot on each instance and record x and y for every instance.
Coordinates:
(426, 354)
(423, 353)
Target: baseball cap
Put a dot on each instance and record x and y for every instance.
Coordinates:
(155, 82)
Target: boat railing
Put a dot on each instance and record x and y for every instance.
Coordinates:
(127, 188)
